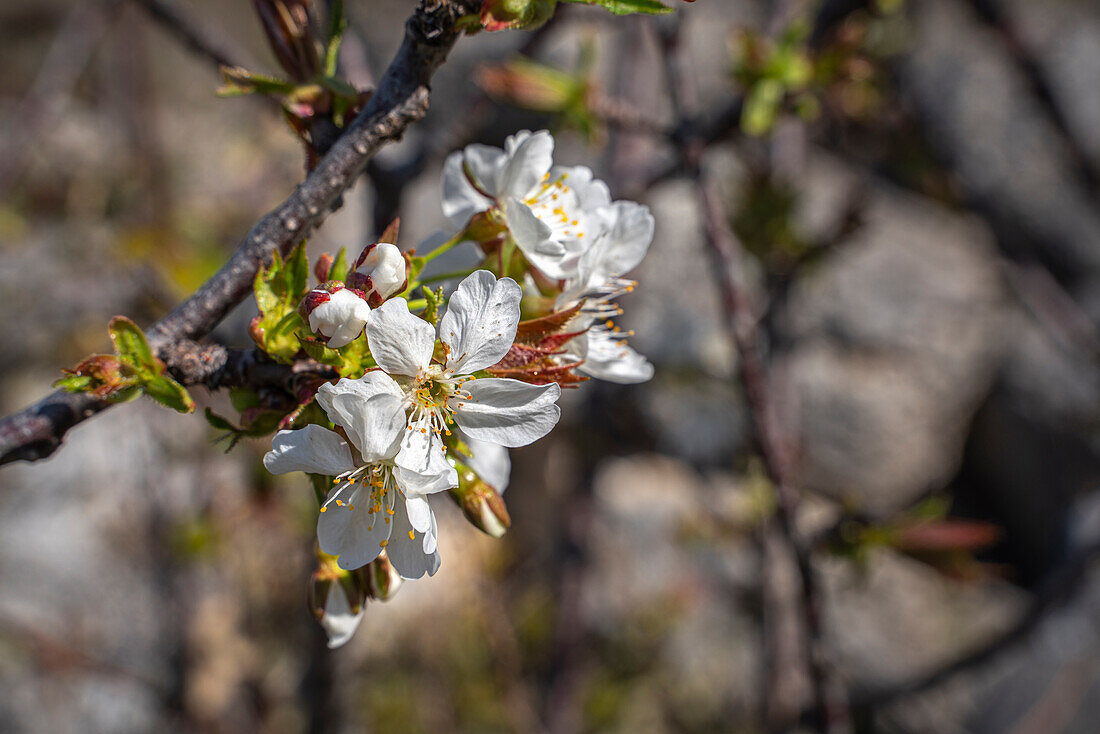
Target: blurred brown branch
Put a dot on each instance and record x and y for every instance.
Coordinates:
(401, 99)
(830, 710)
(199, 39)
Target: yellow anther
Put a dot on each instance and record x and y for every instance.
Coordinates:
(382, 543)
(323, 509)
(411, 536)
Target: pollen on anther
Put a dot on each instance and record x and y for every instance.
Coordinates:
(323, 509)
(382, 543)
(411, 535)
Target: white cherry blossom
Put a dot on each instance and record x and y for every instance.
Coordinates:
(336, 312)
(379, 271)
(600, 279)
(550, 211)
(374, 503)
(476, 332)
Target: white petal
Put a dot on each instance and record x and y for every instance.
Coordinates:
(400, 343)
(355, 535)
(407, 554)
(485, 165)
(591, 192)
(311, 449)
(507, 412)
(370, 409)
(341, 317)
(460, 200)
(431, 538)
(480, 323)
(422, 453)
(534, 239)
(527, 165)
(339, 622)
(489, 460)
(621, 249)
(610, 359)
(386, 266)
(422, 484)
(529, 232)
(420, 513)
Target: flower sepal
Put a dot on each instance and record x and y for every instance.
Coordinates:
(481, 504)
(381, 578)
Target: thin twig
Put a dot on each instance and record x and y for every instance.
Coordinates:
(401, 99)
(830, 707)
(199, 39)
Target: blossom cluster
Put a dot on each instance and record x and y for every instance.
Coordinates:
(433, 396)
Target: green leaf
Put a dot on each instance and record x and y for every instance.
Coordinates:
(240, 82)
(74, 383)
(296, 274)
(125, 395)
(170, 393)
(628, 7)
(281, 338)
(130, 344)
(243, 399)
(339, 269)
(340, 88)
(761, 107)
(216, 421)
(337, 24)
(266, 298)
(323, 354)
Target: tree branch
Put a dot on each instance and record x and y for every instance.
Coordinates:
(830, 707)
(401, 99)
(200, 40)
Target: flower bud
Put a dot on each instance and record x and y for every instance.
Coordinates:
(337, 599)
(498, 15)
(380, 271)
(335, 311)
(481, 504)
(381, 578)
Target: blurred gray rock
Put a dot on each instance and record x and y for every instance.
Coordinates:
(1047, 682)
(1064, 36)
(897, 337)
(648, 573)
(84, 531)
(897, 618)
(995, 135)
